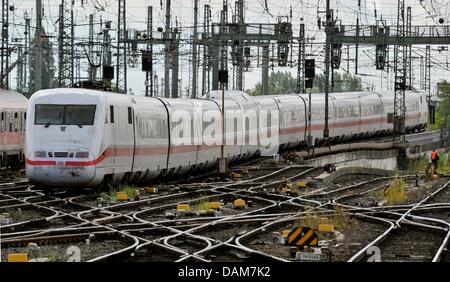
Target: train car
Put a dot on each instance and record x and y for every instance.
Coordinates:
(12, 128)
(79, 137)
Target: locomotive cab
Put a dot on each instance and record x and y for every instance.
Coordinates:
(63, 130)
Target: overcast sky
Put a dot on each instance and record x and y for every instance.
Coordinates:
(258, 11)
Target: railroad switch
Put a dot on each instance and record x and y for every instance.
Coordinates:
(235, 175)
(18, 257)
(151, 190)
(121, 196)
(213, 205)
(239, 204)
(289, 189)
(183, 207)
(326, 228)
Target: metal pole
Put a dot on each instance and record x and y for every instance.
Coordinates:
(175, 62)
(4, 52)
(222, 148)
(167, 53)
(327, 67)
(20, 81)
(428, 71)
(61, 46)
(301, 61)
(265, 70)
(206, 62)
(357, 46)
(194, 52)
(38, 48)
(309, 119)
(92, 74)
(409, 30)
(26, 51)
(240, 48)
(122, 35)
(149, 74)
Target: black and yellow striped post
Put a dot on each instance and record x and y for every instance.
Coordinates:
(301, 237)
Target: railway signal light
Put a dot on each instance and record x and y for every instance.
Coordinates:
(223, 76)
(108, 72)
(147, 61)
(310, 68)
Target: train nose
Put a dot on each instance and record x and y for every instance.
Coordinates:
(62, 169)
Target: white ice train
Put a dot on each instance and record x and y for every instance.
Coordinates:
(78, 137)
(13, 107)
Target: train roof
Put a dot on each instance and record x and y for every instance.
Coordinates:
(12, 100)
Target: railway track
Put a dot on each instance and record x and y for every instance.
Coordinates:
(145, 230)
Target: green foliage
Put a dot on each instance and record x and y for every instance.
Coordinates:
(443, 110)
(340, 219)
(111, 195)
(342, 82)
(396, 192)
(283, 82)
(443, 164)
(202, 205)
(130, 191)
(280, 82)
(419, 164)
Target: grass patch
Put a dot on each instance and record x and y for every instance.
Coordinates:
(396, 192)
(340, 219)
(443, 164)
(202, 205)
(110, 196)
(419, 164)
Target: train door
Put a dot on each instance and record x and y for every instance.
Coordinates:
(2, 134)
(121, 129)
(182, 151)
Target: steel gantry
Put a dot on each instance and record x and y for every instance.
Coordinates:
(5, 51)
(66, 45)
(401, 36)
(121, 61)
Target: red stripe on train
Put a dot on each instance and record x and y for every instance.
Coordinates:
(150, 151)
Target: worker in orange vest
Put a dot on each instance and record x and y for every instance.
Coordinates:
(434, 160)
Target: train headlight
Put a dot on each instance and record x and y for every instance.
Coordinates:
(40, 154)
(82, 155)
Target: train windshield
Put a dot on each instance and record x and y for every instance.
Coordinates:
(65, 115)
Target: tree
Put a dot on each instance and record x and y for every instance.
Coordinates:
(443, 109)
(48, 64)
(279, 83)
(342, 83)
(284, 83)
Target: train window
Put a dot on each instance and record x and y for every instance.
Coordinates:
(49, 114)
(130, 116)
(111, 113)
(79, 114)
(65, 114)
